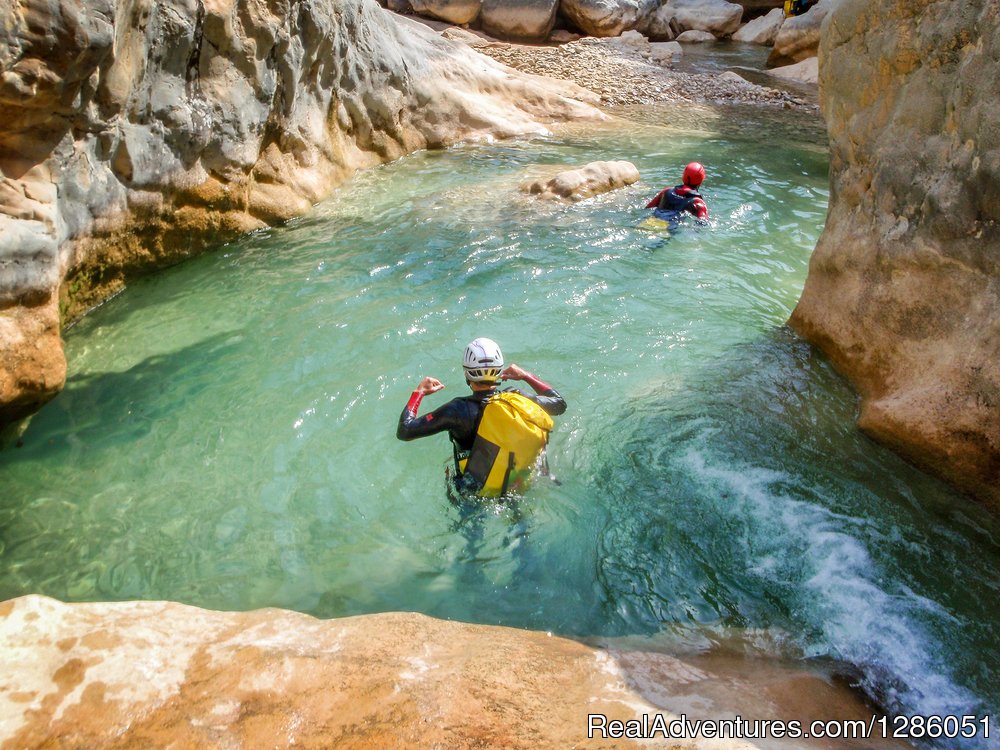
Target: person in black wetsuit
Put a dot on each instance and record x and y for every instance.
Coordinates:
(484, 369)
(684, 197)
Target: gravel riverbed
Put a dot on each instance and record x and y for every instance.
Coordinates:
(624, 76)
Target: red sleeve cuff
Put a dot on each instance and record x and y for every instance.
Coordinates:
(538, 385)
(414, 403)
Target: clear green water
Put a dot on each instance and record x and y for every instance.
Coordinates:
(227, 434)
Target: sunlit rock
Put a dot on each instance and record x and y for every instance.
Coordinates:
(134, 134)
(695, 37)
(665, 53)
(798, 37)
(717, 17)
(159, 674)
(156, 674)
(529, 20)
(585, 182)
(606, 17)
(762, 30)
(453, 11)
(806, 71)
(904, 286)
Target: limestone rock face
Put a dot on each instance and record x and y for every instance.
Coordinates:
(799, 36)
(457, 12)
(717, 17)
(607, 17)
(695, 37)
(806, 71)
(661, 25)
(132, 134)
(762, 30)
(903, 290)
(586, 181)
(157, 674)
(528, 20)
(665, 53)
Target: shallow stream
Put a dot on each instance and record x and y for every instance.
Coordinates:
(227, 434)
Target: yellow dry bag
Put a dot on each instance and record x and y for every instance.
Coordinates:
(512, 433)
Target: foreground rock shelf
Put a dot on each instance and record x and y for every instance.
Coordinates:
(154, 674)
(161, 674)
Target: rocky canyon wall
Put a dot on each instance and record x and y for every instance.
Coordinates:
(903, 291)
(134, 133)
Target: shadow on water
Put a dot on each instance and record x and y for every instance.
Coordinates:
(108, 411)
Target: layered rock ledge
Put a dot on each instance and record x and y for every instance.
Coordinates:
(158, 674)
(132, 135)
(903, 291)
(154, 674)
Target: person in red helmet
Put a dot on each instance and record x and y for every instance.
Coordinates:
(683, 197)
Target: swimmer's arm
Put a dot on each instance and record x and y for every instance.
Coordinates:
(656, 199)
(548, 398)
(411, 426)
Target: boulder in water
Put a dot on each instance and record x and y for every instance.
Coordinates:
(695, 37)
(762, 30)
(457, 12)
(665, 53)
(717, 17)
(606, 17)
(528, 20)
(904, 286)
(806, 71)
(798, 37)
(584, 182)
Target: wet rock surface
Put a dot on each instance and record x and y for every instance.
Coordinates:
(904, 286)
(586, 181)
(134, 135)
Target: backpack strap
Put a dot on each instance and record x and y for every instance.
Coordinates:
(506, 476)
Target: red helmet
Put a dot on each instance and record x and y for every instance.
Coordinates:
(694, 174)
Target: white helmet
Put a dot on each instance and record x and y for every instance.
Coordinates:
(483, 361)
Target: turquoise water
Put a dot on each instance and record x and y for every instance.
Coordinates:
(227, 434)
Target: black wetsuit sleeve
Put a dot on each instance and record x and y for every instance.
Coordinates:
(448, 417)
(550, 400)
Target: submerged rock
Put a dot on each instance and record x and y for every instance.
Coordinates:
(586, 181)
(134, 134)
(903, 290)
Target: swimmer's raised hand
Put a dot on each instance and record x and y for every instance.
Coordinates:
(428, 385)
(513, 372)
